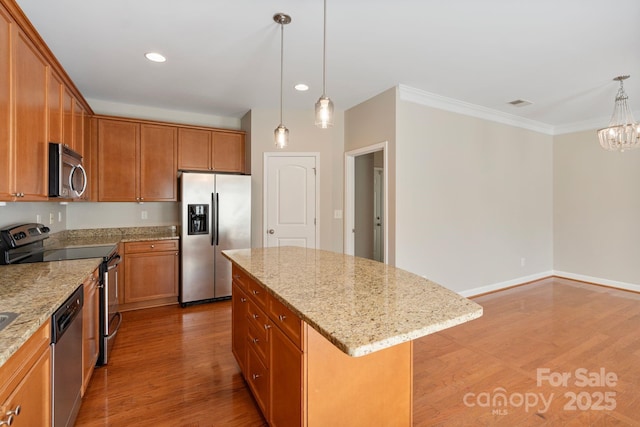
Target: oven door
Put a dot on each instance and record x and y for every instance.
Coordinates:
(110, 318)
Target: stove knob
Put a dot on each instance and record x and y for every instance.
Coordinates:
(45, 229)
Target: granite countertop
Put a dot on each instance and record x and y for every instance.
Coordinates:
(359, 305)
(110, 236)
(35, 291)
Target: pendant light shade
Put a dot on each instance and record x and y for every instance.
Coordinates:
(324, 106)
(623, 132)
(281, 133)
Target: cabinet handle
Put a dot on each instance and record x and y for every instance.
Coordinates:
(255, 376)
(15, 412)
(255, 340)
(255, 316)
(282, 317)
(243, 299)
(267, 326)
(153, 246)
(255, 292)
(7, 422)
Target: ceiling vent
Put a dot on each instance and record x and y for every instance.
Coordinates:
(520, 103)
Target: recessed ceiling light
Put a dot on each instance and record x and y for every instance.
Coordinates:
(155, 57)
(301, 87)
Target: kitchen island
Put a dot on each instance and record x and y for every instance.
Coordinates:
(326, 339)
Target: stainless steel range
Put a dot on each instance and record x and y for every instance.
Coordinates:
(24, 243)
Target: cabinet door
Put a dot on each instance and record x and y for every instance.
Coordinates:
(6, 162)
(78, 127)
(118, 159)
(158, 163)
(228, 152)
(194, 149)
(150, 276)
(30, 131)
(33, 395)
(90, 328)
(239, 312)
(285, 379)
(54, 105)
(67, 119)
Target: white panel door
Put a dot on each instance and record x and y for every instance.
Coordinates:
(290, 201)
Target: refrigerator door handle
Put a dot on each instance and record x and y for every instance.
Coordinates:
(217, 210)
(214, 221)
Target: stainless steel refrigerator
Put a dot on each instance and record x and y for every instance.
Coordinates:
(216, 215)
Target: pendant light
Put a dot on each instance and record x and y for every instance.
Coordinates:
(623, 132)
(281, 134)
(324, 106)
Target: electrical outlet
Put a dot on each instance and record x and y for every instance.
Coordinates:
(337, 214)
(51, 218)
(59, 216)
(38, 218)
(143, 215)
(523, 262)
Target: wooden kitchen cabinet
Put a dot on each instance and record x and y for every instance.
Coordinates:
(55, 89)
(30, 144)
(136, 162)
(90, 328)
(25, 382)
(150, 273)
(6, 160)
(267, 342)
(209, 150)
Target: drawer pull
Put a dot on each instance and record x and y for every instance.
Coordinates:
(243, 299)
(153, 246)
(255, 292)
(282, 317)
(255, 376)
(255, 316)
(7, 422)
(267, 326)
(15, 412)
(255, 340)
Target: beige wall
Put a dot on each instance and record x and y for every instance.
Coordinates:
(372, 122)
(123, 214)
(473, 198)
(304, 136)
(596, 209)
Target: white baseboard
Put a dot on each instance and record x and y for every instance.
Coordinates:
(503, 285)
(598, 281)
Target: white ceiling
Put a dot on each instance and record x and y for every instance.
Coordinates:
(224, 55)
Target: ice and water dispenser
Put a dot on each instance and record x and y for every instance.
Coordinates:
(198, 219)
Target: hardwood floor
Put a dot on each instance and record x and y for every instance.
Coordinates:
(173, 366)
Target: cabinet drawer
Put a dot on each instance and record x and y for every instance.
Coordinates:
(258, 342)
(258, 378)
(258, 293)
(287, 320)
(257, 319)
(240, 278)
(151, 246)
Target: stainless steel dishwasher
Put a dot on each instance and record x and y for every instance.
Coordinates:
(66, 371)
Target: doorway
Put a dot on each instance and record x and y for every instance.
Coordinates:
(366, 202)
(291, 199)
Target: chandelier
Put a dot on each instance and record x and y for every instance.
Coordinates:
(623, 132)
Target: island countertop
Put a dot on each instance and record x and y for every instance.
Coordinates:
(359, 305)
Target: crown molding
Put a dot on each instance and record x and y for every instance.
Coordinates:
(429, 99)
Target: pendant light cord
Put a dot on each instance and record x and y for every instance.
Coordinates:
(324, 52)
(281, 65)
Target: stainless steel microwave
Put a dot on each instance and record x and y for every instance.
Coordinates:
(67, 177)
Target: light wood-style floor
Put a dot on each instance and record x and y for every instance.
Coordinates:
(174, 367)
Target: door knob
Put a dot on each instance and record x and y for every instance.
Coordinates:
(271, 231)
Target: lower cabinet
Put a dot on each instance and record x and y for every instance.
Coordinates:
(267, 343)
(25, 383)
(150, 273)
(90, 328)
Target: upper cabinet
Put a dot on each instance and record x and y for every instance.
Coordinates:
(36, 106)
(136, 161)
(211, 150)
